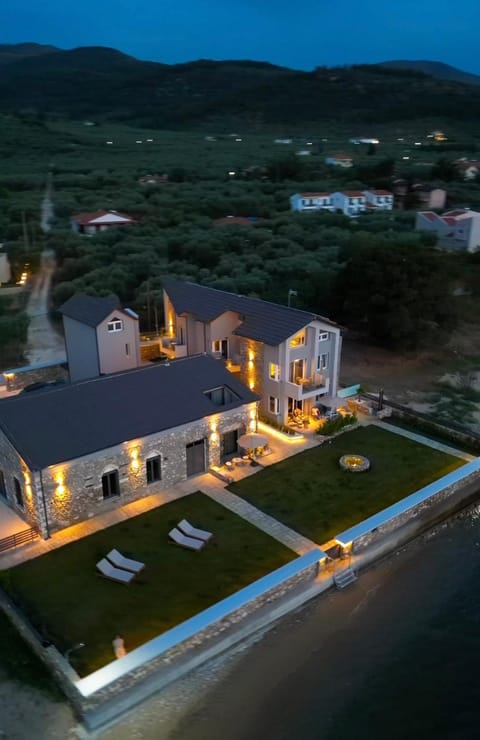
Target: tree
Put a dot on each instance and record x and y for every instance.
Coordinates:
(399, 295)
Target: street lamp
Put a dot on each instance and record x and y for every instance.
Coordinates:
(79, 645)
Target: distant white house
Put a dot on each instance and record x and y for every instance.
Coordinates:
(381, 200)
(93, 223)
(339, 160)
(311, 202)
(282, 141)
(303, 153)
(350, 202)
(365, 140)
(457, 230)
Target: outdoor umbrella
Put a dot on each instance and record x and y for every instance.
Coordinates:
(252, 440)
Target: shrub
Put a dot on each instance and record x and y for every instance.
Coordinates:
(332, 426)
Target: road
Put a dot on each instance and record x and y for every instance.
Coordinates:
(44, 343)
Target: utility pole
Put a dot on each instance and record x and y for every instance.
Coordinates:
(25, 233)
(290, 293)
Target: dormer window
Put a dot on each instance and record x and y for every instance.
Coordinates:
(221, 396)
(115, 324)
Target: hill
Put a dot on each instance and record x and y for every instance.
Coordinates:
(14, 52)
(435, 69)
(109, 85)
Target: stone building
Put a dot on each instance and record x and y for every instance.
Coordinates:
(70, 452)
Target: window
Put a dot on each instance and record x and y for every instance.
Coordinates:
(297, 340)
(3, 487)
(154, 469)
(115, 325)
(273, 405)
(274, 371)
(18, 491)
(322, 361)
(221, 396)
(216, 346)
(127, 349)
(323, 336)
(110, 484)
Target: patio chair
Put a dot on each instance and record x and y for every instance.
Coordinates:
(199, 534)
(181, 539)
(115, 557)
(107, 570)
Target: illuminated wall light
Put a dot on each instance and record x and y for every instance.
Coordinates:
(213, 432)
(135, 464)
(28, 484)
(61, 489)
(251, 385)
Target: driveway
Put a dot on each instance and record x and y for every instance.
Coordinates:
(44, 343)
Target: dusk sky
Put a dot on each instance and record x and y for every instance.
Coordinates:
(300, 35)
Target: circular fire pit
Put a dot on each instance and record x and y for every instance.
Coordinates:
(354, 463)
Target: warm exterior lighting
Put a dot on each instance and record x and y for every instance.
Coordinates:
(251, 357)
(213, 429)
(60, 490)
(135, 464)
(28, 484)
(251, 385)
(9, 376)
(354, 463)
(267, 429)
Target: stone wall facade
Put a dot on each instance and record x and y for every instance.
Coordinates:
(72, 492)
(252, 366)
(14, 467)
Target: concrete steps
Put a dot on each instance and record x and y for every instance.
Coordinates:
(344, 578)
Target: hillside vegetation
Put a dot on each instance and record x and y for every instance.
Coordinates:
(110, 85)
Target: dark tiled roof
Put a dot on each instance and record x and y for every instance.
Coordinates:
(61, 424)
(263, 321)
(89, 309)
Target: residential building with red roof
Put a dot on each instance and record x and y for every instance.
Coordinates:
(90, 224)
(379, 200)
(456, 230)
(311, 201)
(350, 202)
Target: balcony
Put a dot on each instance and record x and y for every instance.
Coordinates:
(303, 387)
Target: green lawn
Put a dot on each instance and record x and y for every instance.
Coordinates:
(310, 493)
(65, 599)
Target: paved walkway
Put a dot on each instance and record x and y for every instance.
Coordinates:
(10, 522)
(259, 519)
(419, 438)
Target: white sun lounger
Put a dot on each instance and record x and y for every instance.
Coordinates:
(184, 541)
(115, 557)
(199, 534)
(115, 574)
